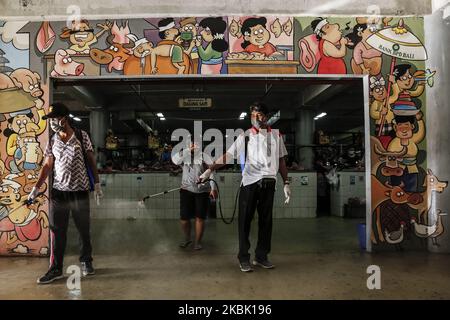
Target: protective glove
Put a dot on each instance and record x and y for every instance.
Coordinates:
(205, 176)
(287, 193)
(213, 194)
(34, 192)
(98, 193)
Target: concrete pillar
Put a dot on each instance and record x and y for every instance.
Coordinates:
(304, 136)
(98, 127)
(437, 42)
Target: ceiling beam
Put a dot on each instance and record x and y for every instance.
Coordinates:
(317, 94)
(38, 10)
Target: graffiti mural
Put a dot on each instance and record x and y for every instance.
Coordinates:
(389, 50)
(23, 96)
(261, 45)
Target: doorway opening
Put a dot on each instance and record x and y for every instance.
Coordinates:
(324, 122)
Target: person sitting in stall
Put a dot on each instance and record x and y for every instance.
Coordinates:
(108, 167)
(256, 37)
(166, 154)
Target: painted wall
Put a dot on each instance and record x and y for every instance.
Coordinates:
(33, 51)
(438, 117)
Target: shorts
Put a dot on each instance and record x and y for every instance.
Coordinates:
(194, 205)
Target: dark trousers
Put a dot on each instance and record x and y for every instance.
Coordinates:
(61, 204)
(257, 196)
(409, 179)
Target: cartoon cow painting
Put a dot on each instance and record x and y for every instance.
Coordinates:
(119, 50)
(390, 159)
(386, 195)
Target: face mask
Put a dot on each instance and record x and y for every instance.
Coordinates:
(257, 124)
(56, 125)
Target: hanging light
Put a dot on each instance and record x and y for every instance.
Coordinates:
(74, 118)
(323, 114)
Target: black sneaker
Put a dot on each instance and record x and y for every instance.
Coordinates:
(87, 269)
(50, 276)
(245, 266)
(266, 264)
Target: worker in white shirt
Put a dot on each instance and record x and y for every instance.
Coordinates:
(264, 158)
(194, 197)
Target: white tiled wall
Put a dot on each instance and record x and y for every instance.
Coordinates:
(123, 191)
(346, 190)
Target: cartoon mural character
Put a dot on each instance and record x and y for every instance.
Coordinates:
(379, 155)
(6, 82)
(378, 108)
(256, 37)
(171, 58)
(119, 49)
(440, 227)
(19, 123)
(65, 66)
(332, 47)
(82, 36)
(145, 48)
(401, 97)
(9, 195)
(365, 60)
(390, 207)
(138, 63)
(395, 237)
(28, 155)
(404, 126)
(432, 231)
(2, 168)
(213, 33)
(188, 36)
(24, 223)
(28, 81)
(432, 185)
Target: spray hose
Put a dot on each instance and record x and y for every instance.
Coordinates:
(226, 221)
(220, 204)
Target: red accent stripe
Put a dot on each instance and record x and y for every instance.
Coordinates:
(52, 240)
(256, 130)
(403, 102)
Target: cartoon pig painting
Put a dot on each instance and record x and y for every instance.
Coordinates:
(65, 66)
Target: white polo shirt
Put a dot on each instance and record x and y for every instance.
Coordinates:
(193, 167)
(265, 148)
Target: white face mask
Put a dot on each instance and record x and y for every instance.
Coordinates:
(257, 124)
(56, 125)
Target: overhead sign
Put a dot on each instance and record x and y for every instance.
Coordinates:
(195, 103)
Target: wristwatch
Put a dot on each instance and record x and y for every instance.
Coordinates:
(286, 182)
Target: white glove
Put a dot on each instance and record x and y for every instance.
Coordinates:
(205, 176)
(98, 193)
(287, 193)
(33, 194)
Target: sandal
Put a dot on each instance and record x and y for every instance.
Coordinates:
(185, 243)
